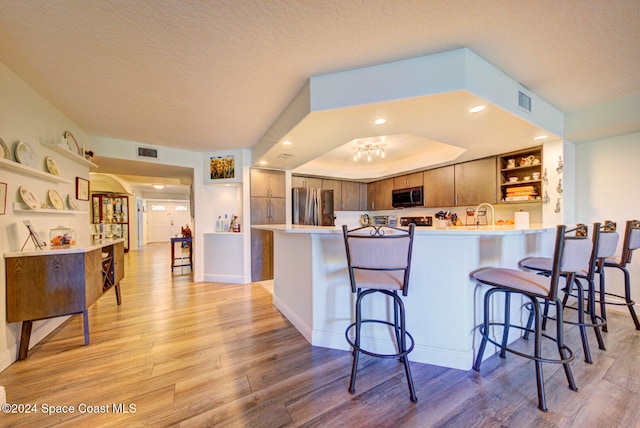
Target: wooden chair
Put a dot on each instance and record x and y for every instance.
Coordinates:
(379, 261)
(571, 255)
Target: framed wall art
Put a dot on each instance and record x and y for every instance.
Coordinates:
(3, 198)
(221, 167)
(82, 189)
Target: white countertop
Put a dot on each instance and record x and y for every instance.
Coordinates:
(65, 249)
(451, 230)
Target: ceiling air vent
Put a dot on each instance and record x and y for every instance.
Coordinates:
(524, 101)
(285, 156)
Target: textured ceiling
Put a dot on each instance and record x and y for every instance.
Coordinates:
(211, 75)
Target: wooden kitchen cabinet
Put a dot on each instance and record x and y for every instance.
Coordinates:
(408, 180)
(267, 183)
(347, 195)
(439, 187)
(336, 186)
(379, 194)
(307, 182)
(350, 196)
(268, 189)
(476, 182)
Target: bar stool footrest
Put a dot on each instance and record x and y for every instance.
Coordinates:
(374, 354)
(569, 358)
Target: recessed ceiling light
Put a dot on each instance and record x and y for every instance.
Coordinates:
(263, 162)
(380, 121)
(159, 186)
(541, 137)
(287, 143)
(476, 109)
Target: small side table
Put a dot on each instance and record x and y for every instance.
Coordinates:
(181, 259)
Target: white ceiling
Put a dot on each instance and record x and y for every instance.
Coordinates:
(215, 75)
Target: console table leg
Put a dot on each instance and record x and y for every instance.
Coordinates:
(118, 298)
(85, 318)
(24, 339)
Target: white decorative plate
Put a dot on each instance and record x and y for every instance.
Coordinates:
(25, 154)
(72, 142)
(56, 200)
(51, 165)
(71, 203)
(6, 153)
(29, 198)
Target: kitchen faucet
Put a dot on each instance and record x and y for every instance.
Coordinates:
(493, 213)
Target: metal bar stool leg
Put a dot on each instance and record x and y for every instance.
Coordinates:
(603, 303)
(356, 352)
(484, 331)
(583, 328)
(563, 352)
(507, 322)
(537, 346)
(627, 297)
(591, 309)
(402, 344)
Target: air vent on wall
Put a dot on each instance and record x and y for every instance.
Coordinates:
(145, 152)
(524, 101)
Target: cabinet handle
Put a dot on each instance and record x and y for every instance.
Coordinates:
(455, 202)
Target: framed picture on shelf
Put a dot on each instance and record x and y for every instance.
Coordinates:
(82, 189)
(3, 198)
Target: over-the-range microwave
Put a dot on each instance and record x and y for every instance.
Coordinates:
(410, 197)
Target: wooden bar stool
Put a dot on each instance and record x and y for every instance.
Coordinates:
(571, 255)
(630, 243)
(379, 260)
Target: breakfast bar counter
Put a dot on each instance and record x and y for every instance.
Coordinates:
(312, 289)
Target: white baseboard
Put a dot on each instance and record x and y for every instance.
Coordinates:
(291, 316)
(232, 279)
(9, 356)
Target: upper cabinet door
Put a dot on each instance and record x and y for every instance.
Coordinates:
(350, 196)
(439, 188)
(384, 189)
(268, 183)
(308, 182)
(476, 182)
(336, 186)
(409, 180)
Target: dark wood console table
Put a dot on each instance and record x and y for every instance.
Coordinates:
(66, 281)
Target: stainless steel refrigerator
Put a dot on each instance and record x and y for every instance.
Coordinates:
(312, 206)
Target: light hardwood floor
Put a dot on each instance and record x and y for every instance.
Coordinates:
(208, 354)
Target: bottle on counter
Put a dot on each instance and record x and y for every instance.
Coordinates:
(226, 223)
(234, 223)
(219, 224)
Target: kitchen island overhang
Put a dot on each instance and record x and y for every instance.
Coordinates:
(444, 306)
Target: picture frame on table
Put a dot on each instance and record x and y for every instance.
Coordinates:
(3, 198)
(82, 189)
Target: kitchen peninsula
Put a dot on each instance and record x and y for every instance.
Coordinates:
(311, 286)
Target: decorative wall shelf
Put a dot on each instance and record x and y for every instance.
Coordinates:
(20, 207)
(69, 154)
(8, 164)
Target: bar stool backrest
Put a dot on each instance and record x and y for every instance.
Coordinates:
(607, 242)
(381, 250)
(572, 254)
(631, 241)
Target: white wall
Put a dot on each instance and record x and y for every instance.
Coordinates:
(27, 116)
(607, 173)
